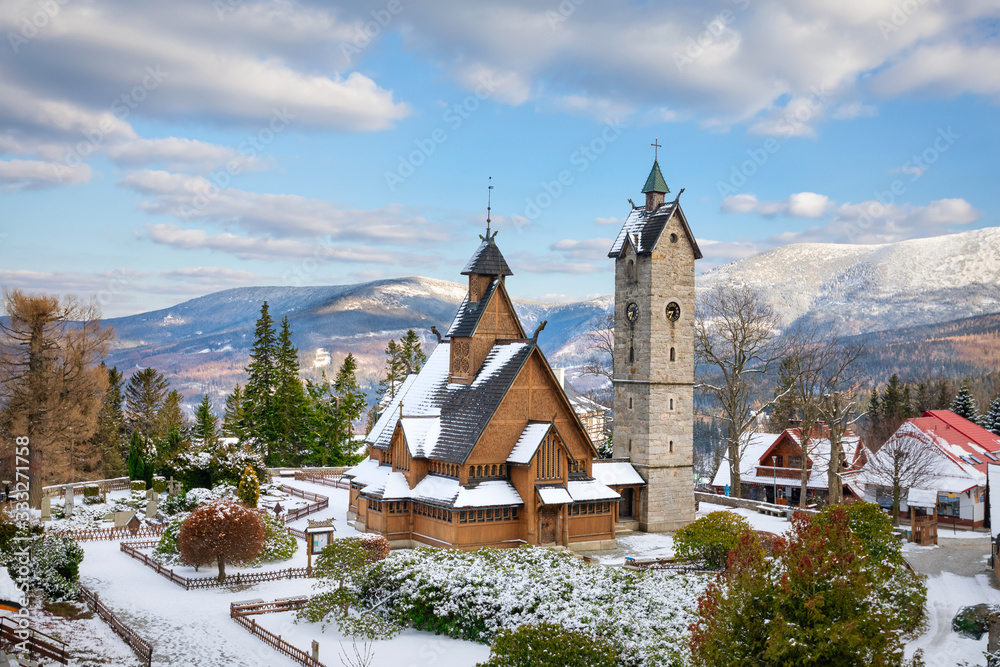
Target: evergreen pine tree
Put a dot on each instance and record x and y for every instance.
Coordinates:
(206, 424)
(893, 402)
(248, 490)
(874, 405)
(145, 394)
(964, 405)
(259, 406)
(785, 409)
(173, 444)
(922, 401)
(943, 395)
(290, 399)
(136, 457)
(110, 436)
(991, 420)
(335, 408)
(395, 373)
(233, 418)
(412, 357)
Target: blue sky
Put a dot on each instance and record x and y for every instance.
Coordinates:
(150, 153)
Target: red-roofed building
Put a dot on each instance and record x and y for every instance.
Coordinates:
(962, 450)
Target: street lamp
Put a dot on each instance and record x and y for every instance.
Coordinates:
(774, 474)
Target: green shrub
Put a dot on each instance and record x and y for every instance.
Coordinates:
(249, 488)
(710, 538)
(166, 551)
(159, 485)
(92, 495)
(137, 485)
(550, 645)
(53, 564)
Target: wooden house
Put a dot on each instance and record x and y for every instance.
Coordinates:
(482, 446)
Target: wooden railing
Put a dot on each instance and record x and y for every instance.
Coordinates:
(320, 503)
(36, 643)
(238, 579)
(139, 646)
(92, 534)
(105, 485)
(240, 612)
(765, 472)
(337, 481)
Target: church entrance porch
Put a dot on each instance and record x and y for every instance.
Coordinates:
(547, 525)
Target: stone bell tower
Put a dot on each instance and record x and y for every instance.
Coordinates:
(654, 258)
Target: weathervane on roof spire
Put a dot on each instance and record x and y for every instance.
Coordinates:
(656, 147)
(489, 206)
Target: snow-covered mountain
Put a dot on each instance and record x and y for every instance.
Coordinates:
(202, 344)
(865, 288)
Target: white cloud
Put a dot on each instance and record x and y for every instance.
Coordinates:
(35, 174)
(179, 153)
(584, 249)
(608, 221)
(799, 205)
(193, 198)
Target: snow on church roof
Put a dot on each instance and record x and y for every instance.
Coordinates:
(528, 443)
(421, 434)
(645, 228)
(446, 491)
(554, 495)
(590, 489)
(616, 473)
(462, 410)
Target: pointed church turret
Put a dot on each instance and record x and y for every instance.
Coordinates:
(655, 188)
(485, 264)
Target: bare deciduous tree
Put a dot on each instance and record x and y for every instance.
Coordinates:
(51, 383)
(818, 366)
(907, 460)
(737, 345)
(838, 410)
(601, 341)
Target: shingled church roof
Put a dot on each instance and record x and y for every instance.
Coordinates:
(469, 313)
(645, 227)
(487, 260)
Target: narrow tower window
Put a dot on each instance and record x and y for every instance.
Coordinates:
(671, 446)
(631, 354)
(671, 404)
(630, 270)
(673, 355)
(629, 404)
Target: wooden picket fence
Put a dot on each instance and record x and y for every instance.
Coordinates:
(37, 643)
(105, 485)
(139, 646)
(240, 612)
(320, 503)
(336, 480)
(238, 579)
(94, 534)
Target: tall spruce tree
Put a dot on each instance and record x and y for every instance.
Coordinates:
(412, 357)
(964, 405)
(942, 395)
(206, 424)
(233, 425)
(110, 437)
(991, 420)
(260, 408)
(145, 395)
(139, 466)
(335, 408)
(395, 373)
(291, 400)
(922, 401)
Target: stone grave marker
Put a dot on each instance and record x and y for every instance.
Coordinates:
(151, 507)
(46, 509)
(70, 499)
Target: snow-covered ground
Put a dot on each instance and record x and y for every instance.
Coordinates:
(946, 594)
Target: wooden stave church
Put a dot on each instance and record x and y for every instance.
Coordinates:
(483, 447)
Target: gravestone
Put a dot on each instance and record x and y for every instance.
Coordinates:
(173, 486)
(278, 509)
(151, 507)
(46, 514)
(70, 499)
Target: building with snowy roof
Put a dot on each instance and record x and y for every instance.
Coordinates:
(771, 467)
(948, 453)
(482, 447)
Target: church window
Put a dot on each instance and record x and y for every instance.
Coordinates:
(630, 405)
(673, 355)
(673, 238)
(631, 354)
(461, 517)
(513, 513)
(472, 471)
(479, 515)
(493, 471)
(671, 446)
(671, 404)
(506, 514)
(630, 270)
(479, 471)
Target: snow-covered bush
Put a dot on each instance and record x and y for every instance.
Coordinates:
(377, 545)
(201, 468)
(53, 564)
(475, 595)
(166, 551)
(279, 544)
(92, 495)
(550, 645)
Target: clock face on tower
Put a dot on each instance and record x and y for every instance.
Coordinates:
(632, 312)
(673, 311)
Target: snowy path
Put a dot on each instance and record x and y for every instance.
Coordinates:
(946, 594)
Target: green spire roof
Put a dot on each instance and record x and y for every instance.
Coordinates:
(655, 182)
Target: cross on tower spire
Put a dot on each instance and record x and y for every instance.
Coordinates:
(656, 146)
(489, 206)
